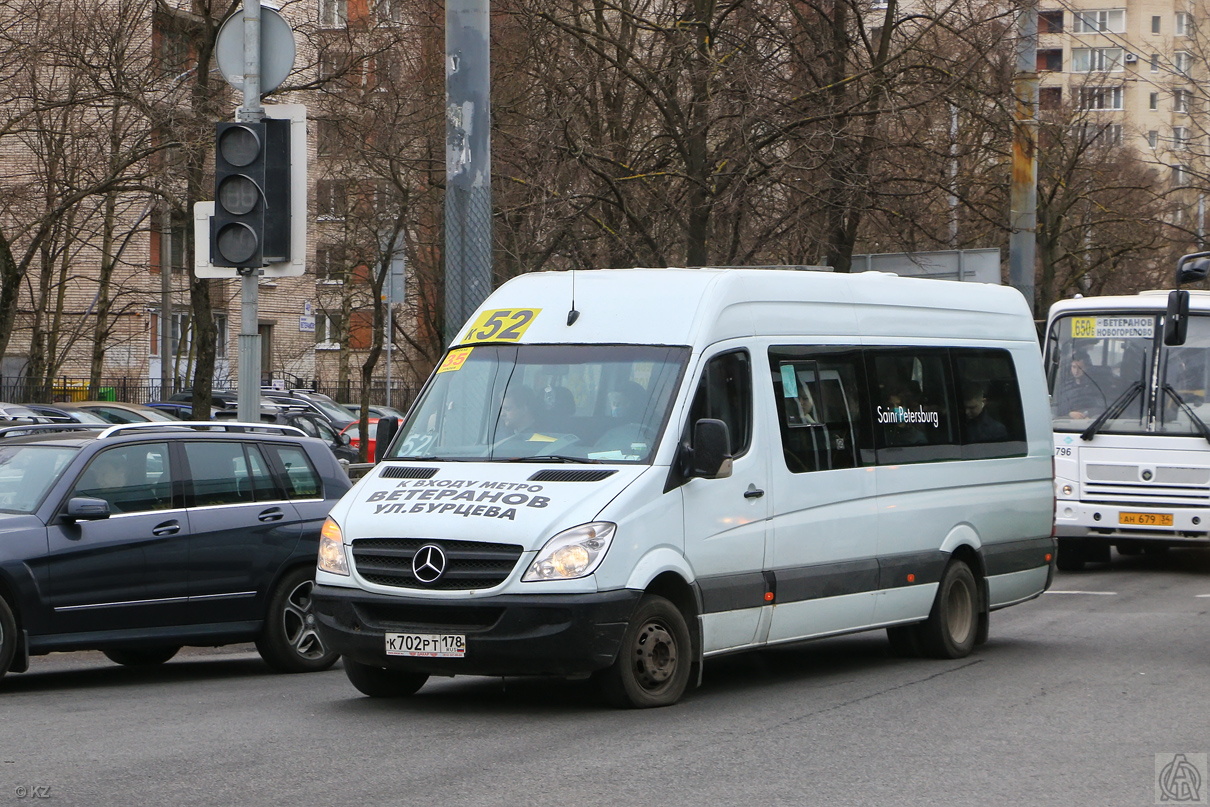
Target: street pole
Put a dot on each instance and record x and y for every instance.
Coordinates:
(167, 364)
(468, 169)
(1023, 198)
(249, 337)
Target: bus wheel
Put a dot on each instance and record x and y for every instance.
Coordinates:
(1071, 556)
(379, 682)
(953, 624)
(652, 667)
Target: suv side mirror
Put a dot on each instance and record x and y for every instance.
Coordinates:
(86, 508)
(710, 457)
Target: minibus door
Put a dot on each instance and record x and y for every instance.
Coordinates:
(726, 518)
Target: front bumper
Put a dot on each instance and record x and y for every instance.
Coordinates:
(1075, 519)
(553, 634)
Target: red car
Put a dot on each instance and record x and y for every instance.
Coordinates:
(354, 432)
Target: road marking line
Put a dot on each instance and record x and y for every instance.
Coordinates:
(1201, 596)
(1094, 593)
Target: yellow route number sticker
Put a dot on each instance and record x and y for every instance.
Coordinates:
(454, 360)
(501, 325)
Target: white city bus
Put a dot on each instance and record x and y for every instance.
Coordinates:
(1130, 412)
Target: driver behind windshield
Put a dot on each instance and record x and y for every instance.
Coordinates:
(519, 424)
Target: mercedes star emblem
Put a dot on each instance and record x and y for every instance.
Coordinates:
(428, 564)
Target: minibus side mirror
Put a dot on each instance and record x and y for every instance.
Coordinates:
(387, 428)
(1176, 320)
(711, 449)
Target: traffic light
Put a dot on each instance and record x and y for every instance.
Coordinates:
(251, 223)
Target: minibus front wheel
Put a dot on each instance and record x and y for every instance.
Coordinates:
(653, 664)
(953, 624)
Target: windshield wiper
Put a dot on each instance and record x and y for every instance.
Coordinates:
(1188, 410)
(551, 458)
(1113, 410)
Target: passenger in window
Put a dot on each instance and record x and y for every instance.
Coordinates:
(898, 433)
(981, 427)
(626, 433)
(1078, 394)
(519, 422)
(627, 401)
(800, 410)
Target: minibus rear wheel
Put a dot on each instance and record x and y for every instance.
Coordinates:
(953, 624)
(653, 664)
(379, 682)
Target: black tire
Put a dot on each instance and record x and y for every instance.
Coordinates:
(905, 640)
(953, 624)
(289, 642)
(1071, 555)
(8, 637)
(379, 682)
(140, 656)
(653, 664)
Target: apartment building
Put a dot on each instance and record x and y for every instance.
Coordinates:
(123, 256)
(1135, 67)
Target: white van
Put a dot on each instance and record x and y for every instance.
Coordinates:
(622, 473)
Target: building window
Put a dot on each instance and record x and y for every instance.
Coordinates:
(1153, 101)
(330, 263)
(1100, 98)
(1183, 60)
(1183, 24)
(1155, 63)
(1050, 97)
(1050, 22)
(327, 331)
(333, 13)
(1180, 175)
(1088, 60)
(1155, 25)
(1100, 21)
(389, 11)
(1180, 101)
(1050, 61)
(1153, 138)
(330, 199)
(327, 138)
(1180, 137)
(1112, 134)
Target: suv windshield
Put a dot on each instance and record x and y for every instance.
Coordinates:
(569, 403)
(27, 473)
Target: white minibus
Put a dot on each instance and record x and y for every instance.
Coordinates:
(621, 473)
(1129, 377)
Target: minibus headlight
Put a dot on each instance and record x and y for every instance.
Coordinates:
(332, 549)
(572, 553)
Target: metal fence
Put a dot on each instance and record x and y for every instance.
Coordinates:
(22, 390)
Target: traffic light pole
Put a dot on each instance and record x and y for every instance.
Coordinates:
(249, 336)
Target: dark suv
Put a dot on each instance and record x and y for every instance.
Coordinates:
(139, 539)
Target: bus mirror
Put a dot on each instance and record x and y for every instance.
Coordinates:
(1192, 268)
(1176, 320)
(711, 449)
(385, 433)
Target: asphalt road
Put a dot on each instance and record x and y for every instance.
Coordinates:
(1078, 699)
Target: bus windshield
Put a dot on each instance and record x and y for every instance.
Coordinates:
(1111, 370)
(558, 403)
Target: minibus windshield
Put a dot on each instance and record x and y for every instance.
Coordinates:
(1101, 358)
(545, 403)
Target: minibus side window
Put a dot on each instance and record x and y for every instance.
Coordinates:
(725, 393)
(914, 414)
(819, 412)
(993, 422)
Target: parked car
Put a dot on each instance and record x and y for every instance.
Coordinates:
(353, 432)
(219, 398)
(377, 411)
(317, 426)
(119, 412)
(180, 410)
(337, 415)
(57, 414)
(9, 411)
(138, 539)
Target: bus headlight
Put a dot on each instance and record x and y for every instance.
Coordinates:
(332, 549)
(572, 553)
